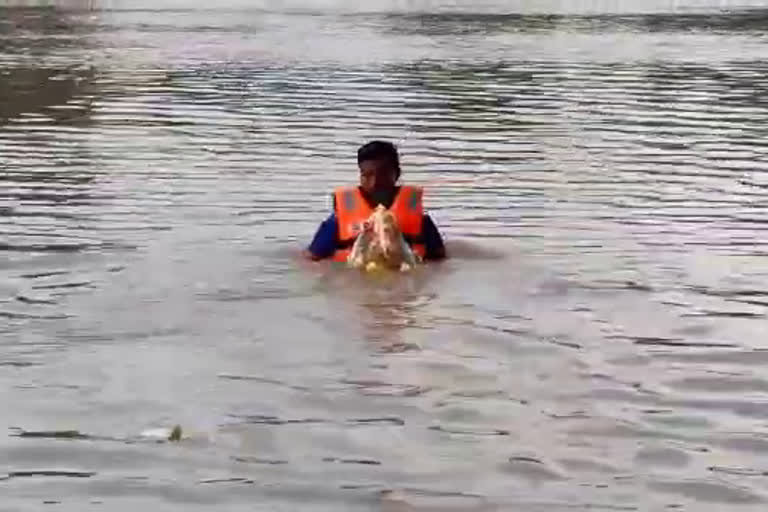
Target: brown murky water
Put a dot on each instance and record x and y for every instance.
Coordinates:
(597, 341)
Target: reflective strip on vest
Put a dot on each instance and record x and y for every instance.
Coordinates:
(409, 210)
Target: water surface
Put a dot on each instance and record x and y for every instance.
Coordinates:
(596, 341)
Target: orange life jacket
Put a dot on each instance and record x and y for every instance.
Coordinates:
(352, 210)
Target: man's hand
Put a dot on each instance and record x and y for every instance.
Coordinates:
(310, 255)
(439, 254)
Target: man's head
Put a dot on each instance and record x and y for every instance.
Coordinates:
(379, 166)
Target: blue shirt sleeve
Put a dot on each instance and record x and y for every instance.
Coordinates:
(326, 238)
(433, 242)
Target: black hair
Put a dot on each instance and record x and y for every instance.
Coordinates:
(378, 149)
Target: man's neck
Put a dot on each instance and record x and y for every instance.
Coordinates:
(386, 198)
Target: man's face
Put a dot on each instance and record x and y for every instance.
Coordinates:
(377, 175)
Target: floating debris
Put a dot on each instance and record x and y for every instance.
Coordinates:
(163, 434)
(50, 434)
(18, 364)
(175, 434)
(47, 472)
(156, 434)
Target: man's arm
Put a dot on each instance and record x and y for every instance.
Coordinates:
(433, 242)
(325, 241)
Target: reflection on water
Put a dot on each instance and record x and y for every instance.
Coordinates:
(596, 340)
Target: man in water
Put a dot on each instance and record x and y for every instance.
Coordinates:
(379, 166)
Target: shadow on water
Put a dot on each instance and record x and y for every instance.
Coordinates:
(48, 170)
(465, 97)
(35, 31)
(742, 86)
(34, 78)
(63, 95)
